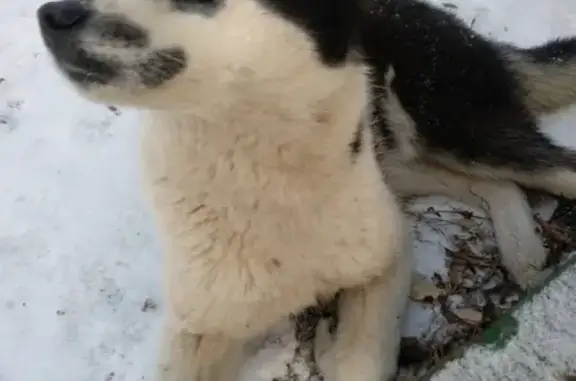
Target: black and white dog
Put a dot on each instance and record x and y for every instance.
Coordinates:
(277, 131)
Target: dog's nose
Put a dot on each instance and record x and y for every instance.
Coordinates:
(62, 15)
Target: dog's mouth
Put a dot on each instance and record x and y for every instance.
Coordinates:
(82, 68)
(60, 26)
(85, 70)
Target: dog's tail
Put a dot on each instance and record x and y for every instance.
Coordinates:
(547, 74)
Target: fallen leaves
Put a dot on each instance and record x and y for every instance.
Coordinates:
(423, 289)
(469, 315)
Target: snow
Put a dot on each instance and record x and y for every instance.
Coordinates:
(80, 294)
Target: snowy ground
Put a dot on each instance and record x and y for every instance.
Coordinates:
(79, 282)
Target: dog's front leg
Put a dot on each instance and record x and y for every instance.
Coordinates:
(366, 343)
(195, 357)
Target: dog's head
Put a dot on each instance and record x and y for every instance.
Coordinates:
(173, 53)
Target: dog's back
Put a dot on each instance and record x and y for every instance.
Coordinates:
(472, 103)
(455, 113)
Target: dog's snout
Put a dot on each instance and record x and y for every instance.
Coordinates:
(62, 15)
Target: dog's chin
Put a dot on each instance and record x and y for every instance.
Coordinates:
(101, 87)
(117, 93)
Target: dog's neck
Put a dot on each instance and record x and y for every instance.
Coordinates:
(298, 131)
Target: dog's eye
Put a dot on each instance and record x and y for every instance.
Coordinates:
(201, 6)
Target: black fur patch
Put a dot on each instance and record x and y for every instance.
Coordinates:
(162, 66)
(91, 70)
(383, 134)
(356, 143)
(554, 52)
(330, 23)
(205, 7)
(457, 87)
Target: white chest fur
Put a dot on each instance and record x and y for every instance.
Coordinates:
(263, 216)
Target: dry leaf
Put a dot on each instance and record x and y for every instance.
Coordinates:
(456, 274)
(469, 315)
(423, 289)
(467, 223)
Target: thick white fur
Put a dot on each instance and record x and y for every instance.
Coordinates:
(522, 250)
(260, 206)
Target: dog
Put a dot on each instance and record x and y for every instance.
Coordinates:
(456, 113)
(273, 155)
(249, 112)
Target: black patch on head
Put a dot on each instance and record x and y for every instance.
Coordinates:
(161, 66)
(554, 52)
(204, 7)
(457, 87)
(332, 24)
(117, 29)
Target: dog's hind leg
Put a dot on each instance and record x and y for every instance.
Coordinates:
(367, 338)
(522, 250)
(559, 181)
(523, 253)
